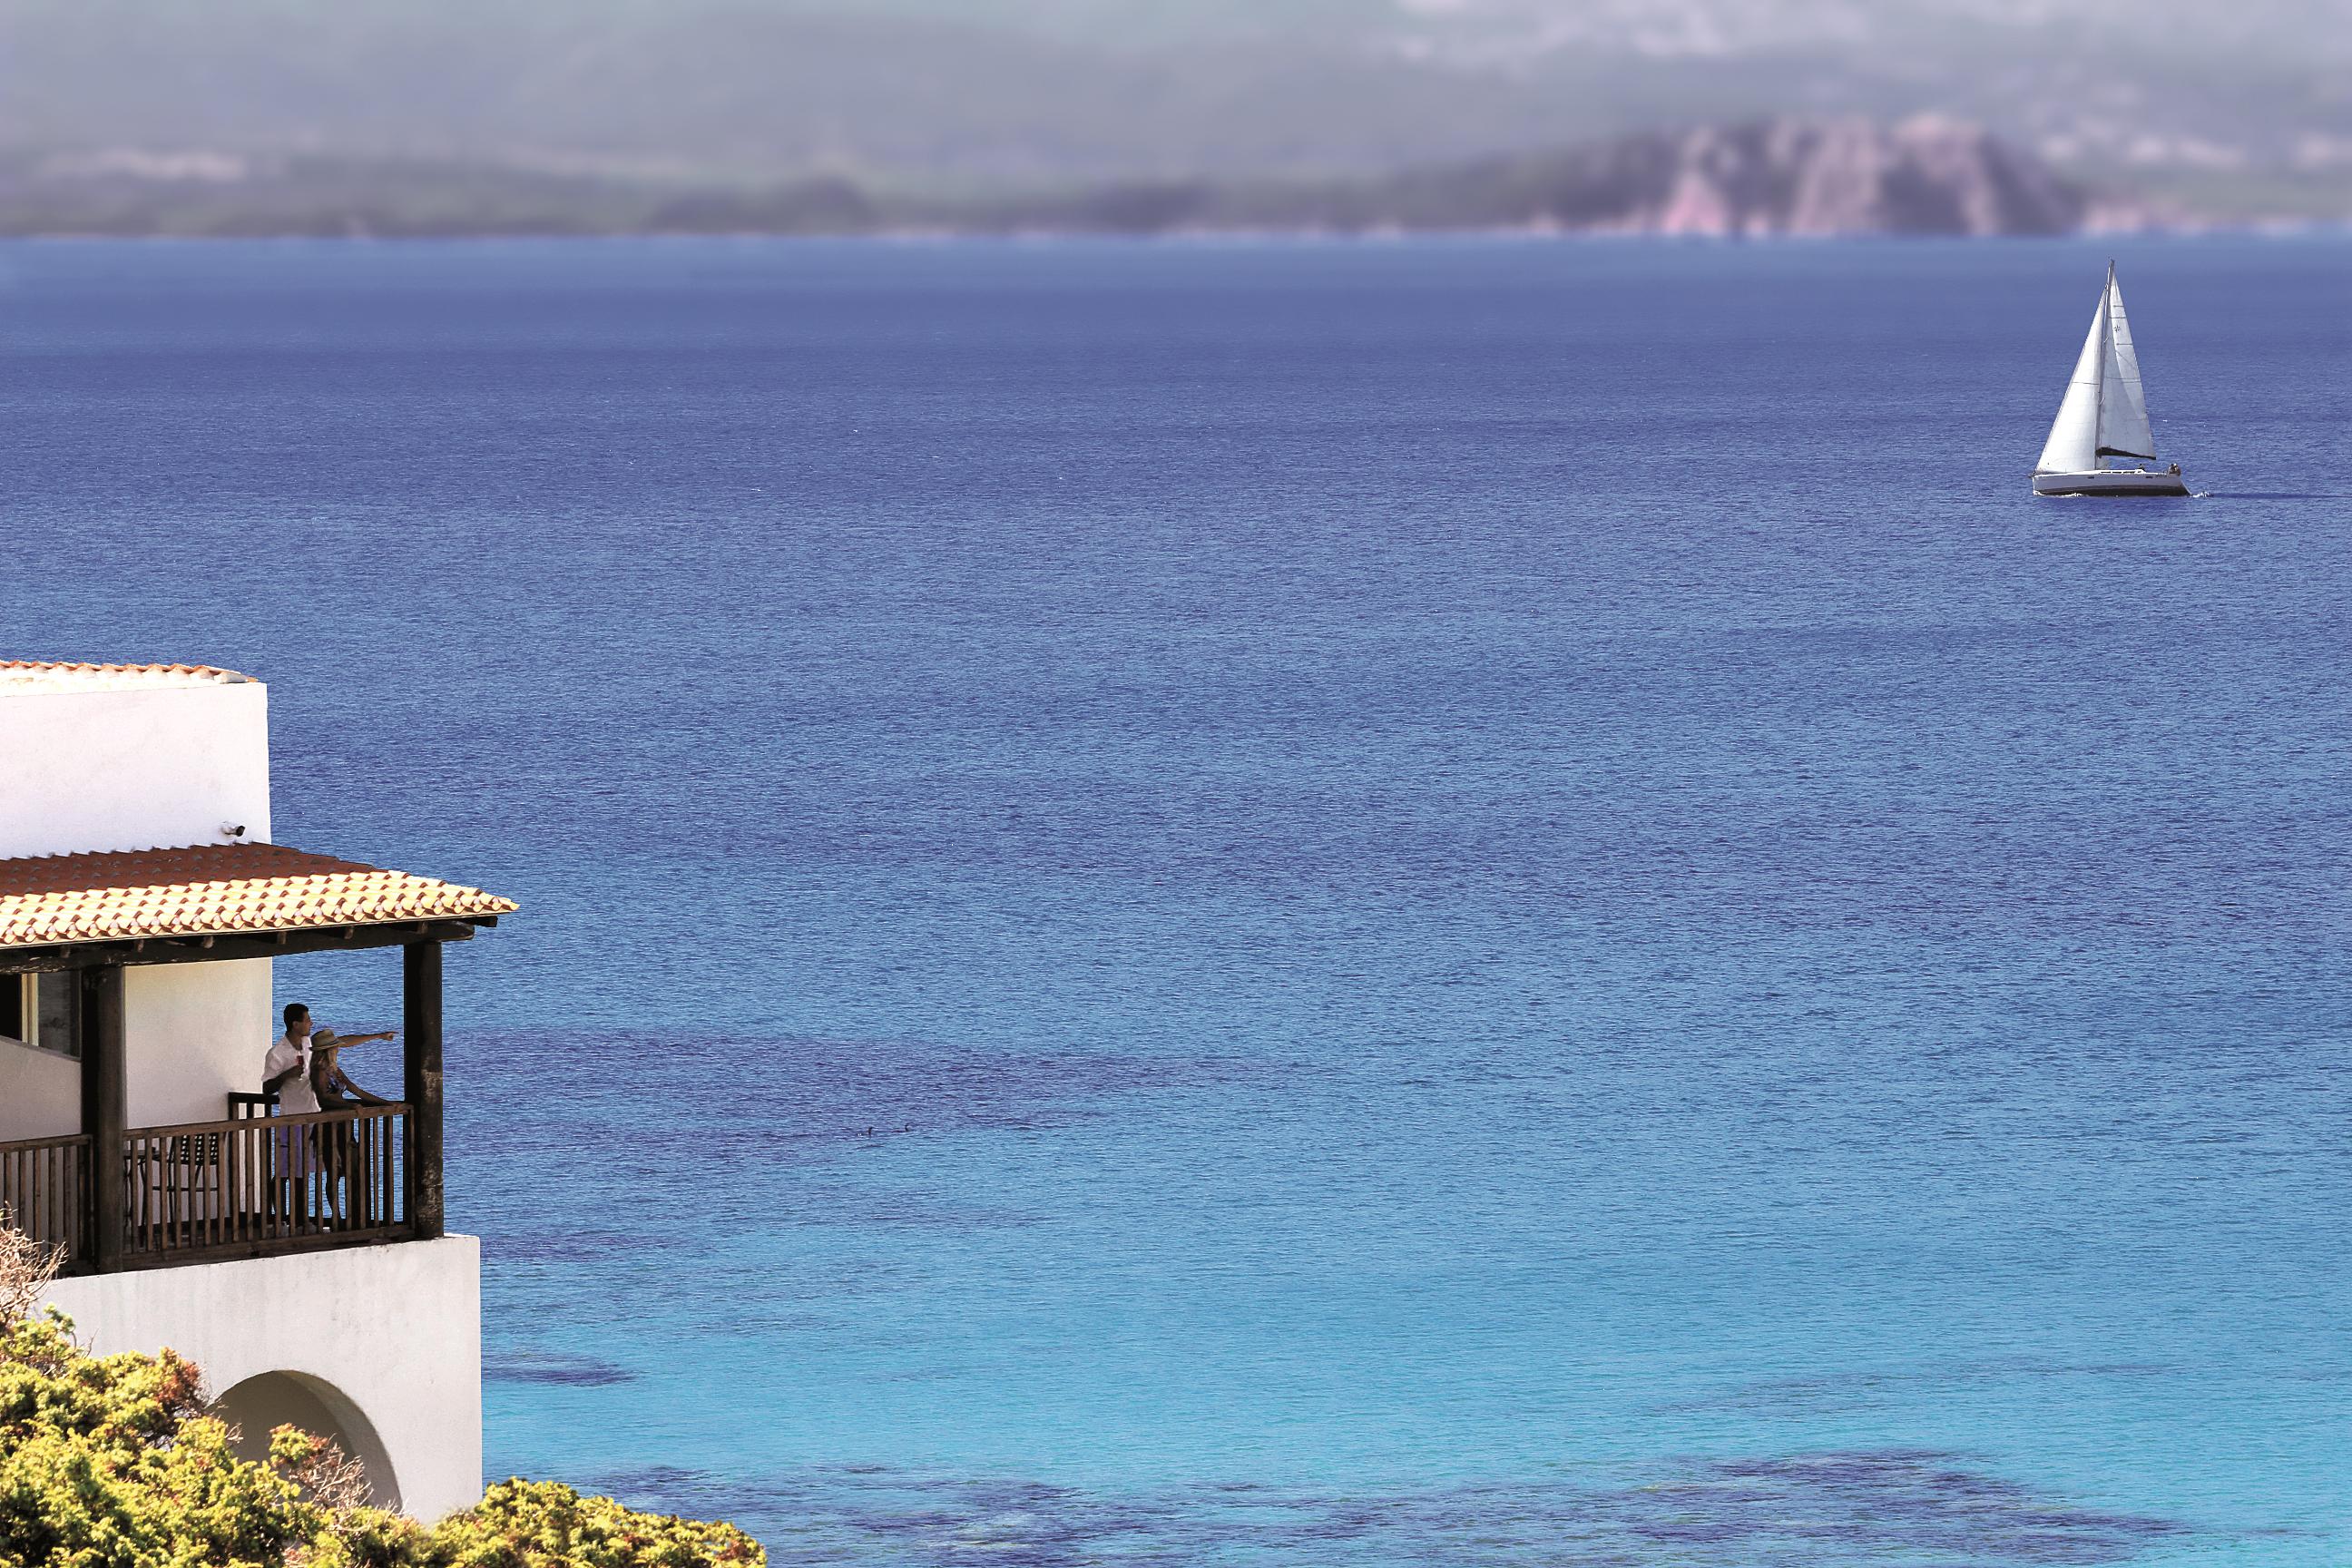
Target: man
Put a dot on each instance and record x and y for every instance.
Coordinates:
(286, 1071)
(289, 1061)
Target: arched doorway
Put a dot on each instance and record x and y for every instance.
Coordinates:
(259, 1405)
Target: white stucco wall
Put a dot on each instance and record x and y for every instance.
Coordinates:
(396, 1330)
(157, 768)
(40, 1092)
(192, 1032)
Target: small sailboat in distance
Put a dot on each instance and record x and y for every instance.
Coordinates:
(2105, 416)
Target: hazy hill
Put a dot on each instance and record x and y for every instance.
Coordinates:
(2244, 106)
(1768, 178)
(1773, 178)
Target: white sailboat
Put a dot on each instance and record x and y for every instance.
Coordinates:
(2105, 416)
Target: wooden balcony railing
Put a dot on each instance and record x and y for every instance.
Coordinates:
(213, 1190)
(45, 1192)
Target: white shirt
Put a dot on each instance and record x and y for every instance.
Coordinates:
(295, 1096)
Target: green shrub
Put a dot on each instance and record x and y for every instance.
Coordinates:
(110, 1462)
(542, 1524)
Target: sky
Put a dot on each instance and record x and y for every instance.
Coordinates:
(2250, 101)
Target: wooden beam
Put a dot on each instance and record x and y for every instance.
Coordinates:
(420, 1008)
(222, 948)
(105, 1108)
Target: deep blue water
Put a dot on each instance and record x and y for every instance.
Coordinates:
(1309, 904)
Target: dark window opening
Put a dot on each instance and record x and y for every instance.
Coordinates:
(38, 1010)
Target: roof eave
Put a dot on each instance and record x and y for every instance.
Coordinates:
(228, 947)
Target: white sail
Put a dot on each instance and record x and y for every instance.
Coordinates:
(2073, 444)
(2123, 407)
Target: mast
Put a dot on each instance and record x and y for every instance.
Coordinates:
(2107, 357)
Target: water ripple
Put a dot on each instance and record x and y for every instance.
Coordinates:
(1917, 1508)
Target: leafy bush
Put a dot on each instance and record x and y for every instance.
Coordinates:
(112, 1462)
(542, 1524)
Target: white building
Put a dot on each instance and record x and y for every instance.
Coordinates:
(300, 1261)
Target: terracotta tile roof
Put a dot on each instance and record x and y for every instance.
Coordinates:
(213, 890)
(22, 675)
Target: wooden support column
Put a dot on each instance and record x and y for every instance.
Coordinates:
(105, 1108)
(420, 993)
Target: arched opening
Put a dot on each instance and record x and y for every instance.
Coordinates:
(260, 1404)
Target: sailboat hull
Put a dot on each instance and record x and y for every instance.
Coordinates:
(2111, 482)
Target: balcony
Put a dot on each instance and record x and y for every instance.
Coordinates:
(208, 1191)
(115, 1196)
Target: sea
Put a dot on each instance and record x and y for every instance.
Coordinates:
(1308, 904)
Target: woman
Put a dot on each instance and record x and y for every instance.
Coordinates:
(337, 1142)
(329, 1086)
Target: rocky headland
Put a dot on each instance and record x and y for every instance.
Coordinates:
(1771, 178)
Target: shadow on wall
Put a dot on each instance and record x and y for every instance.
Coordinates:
(260, 1404)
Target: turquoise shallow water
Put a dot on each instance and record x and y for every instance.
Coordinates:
(1438, 903)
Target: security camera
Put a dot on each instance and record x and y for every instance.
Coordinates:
(232, 829)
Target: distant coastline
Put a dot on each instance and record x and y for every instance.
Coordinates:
(1762, 179)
